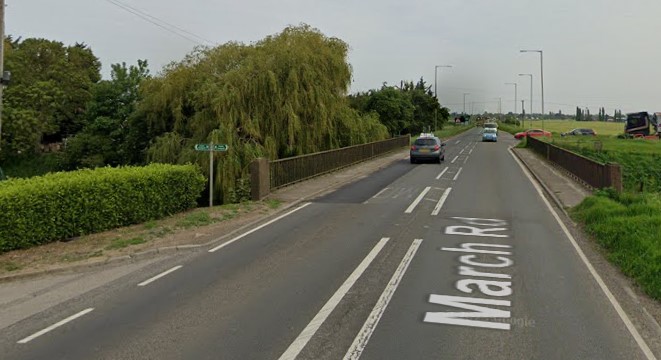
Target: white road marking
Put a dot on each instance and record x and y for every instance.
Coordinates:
(470, 152)
(359, 343)
(148, 281)
(442, 172)
(623, 315)
(295, 348)
(379, 193)
(462, 151)
(457, 174)
(417, 200)
(54, 326)
(455, 159)
(466, 160)
(257, 228)
(438, 207)
(458, 141)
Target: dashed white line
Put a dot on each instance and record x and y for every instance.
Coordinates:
(151, 280)
(466, 159)
(458, 141)
(417, 200)
(295, 348)
(455, 159)
(440, 203)
(462, 151)
(54, 326)
(456, 176)
(257, 228)
(618, 308)
(442, 172)
(379, 193)
(359, 343)
(470, 152)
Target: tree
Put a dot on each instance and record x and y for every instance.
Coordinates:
(279, 97)
(394, 107)
(51, 85)
(104, 140)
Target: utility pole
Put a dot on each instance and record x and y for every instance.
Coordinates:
(2, 57)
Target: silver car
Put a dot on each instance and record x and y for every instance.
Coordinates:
(428, 148)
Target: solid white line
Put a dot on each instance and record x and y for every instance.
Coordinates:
(54, 326)
(295, 348)
(379, 193)
(438, 207)
(257, 228)
(417, 200)
(455, 159)
(359, 343)
(149, 281)
(623, 315)
(442, 172)
(457, 174)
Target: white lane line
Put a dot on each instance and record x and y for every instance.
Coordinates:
(360, 342)
(462, 151)
(54, 326)
(466, 160)
(379, 193)
(257, 228)
(438, 207)
(470, 152)
(457, 174)
(455, 159)
(295, 348)
(151, 280)
(442, 172)
(623, 315)
(458, 141)
(417, 200)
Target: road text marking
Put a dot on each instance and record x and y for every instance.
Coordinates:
(417, 200)
(438, 207)
(359, 343)
(295, 348)
(55, 326)
(148, 281)
(257, 228)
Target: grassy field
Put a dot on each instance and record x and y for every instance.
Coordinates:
(628, 226)
(560, 126)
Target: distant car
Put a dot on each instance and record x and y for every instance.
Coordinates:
(579, 132)
(490, 134)
(533, 133)
(427, 148)
(491, 125)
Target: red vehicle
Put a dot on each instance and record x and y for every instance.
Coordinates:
(533, 133)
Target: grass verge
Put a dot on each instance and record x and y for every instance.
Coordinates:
(628, 227)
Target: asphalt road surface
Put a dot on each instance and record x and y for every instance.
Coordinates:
(462, 260)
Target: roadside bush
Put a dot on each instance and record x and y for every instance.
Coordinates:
(62, 205)
(628, 226)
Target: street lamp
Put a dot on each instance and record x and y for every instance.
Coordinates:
(435, 92)
(515, 86)
(530, 96)
(541, 62)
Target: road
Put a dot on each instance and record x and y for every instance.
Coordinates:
(462, 260)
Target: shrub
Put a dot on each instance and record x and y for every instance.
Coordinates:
(67, 204)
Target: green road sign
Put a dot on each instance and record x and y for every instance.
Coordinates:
(202, 147)
(220, 147)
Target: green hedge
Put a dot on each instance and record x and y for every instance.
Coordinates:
(67, 204)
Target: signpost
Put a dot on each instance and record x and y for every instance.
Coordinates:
(211, 148)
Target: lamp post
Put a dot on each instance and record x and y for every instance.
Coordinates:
(541, 63)
(530, 95)
(515, 86)
(435, 90)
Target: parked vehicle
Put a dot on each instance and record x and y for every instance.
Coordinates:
(490, 134)
(532, 133)
(427, 148)
(579, 132)
(643, 125)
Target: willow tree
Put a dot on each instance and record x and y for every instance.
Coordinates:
(282, 96)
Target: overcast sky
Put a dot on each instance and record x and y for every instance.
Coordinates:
(596, 52)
